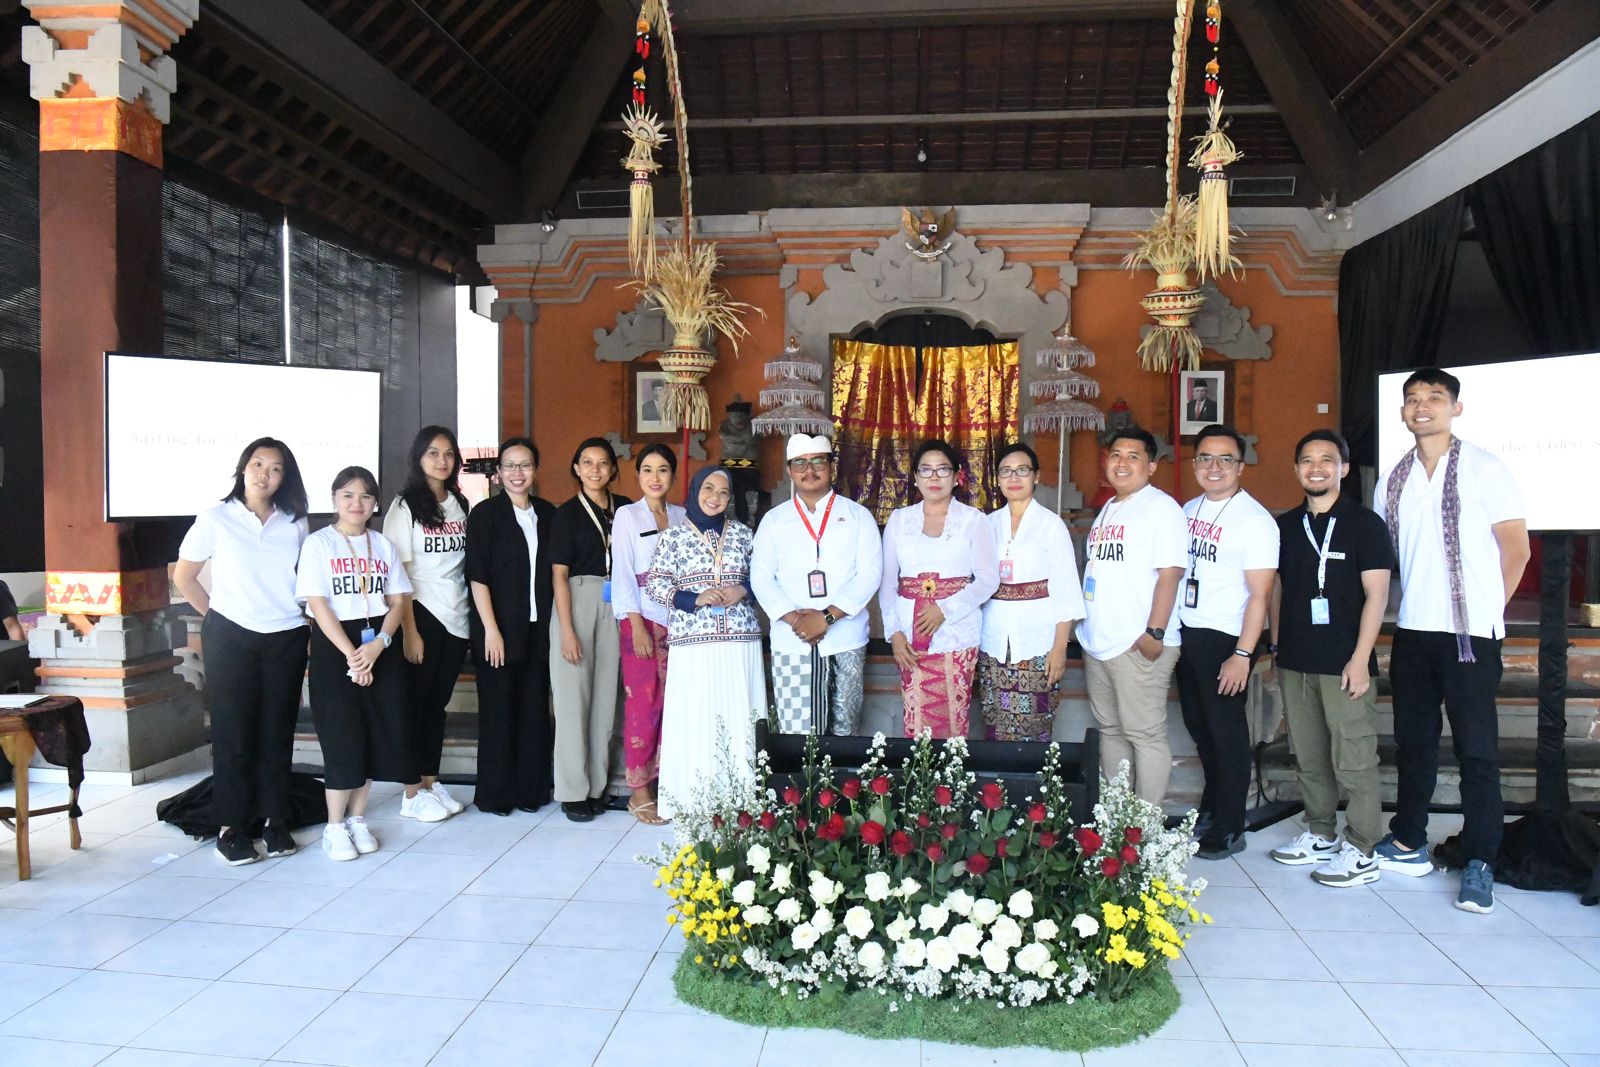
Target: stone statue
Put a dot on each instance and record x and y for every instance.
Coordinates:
(740, 454)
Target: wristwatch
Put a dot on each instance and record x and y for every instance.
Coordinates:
(385, 638)
(1157, 632)
(829, 617)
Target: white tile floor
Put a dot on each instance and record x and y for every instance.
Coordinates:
(484, 941)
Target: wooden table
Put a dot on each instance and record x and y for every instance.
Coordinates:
(17, 743)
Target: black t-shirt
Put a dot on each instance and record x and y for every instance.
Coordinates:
(575, 541)
(1360, 543)
(8, 604)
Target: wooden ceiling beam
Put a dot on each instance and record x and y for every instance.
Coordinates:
(956, 118)
(704, 17)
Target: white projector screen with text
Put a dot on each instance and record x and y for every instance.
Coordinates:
(1542, 416)
(175, 428)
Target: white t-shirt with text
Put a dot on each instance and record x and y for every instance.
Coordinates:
(1226, 538)
(1130, 541)
(435, 559)
(353, 574)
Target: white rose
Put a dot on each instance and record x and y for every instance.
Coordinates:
(901, 928)
(780, 875)
(909, 887)
(1046, 930)
(959, 902)
(744, 894)
(932, 917)
(858, 921)
(1049, 969)
(942, 954)
(1032, 958)
(1085, 926)
(759, 859)
(877, 886)
(985, 911)
(822, 921)
(725, 875)
(911, 954)
(966, 938)
(1021, 904)
(804, 937)
(788, 910)
(1006, 932)
(995, 958)
(823, 890)
(757, 915)
(870, 957)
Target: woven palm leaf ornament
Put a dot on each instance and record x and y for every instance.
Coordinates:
(680, 282)
(1067, 388)
(1190, 232)
(793, 401)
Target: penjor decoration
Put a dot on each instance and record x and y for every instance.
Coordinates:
(679, 282)
(1191, 232)
(1066, 410)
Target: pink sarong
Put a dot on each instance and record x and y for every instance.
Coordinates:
(644, 685)
(938, 693)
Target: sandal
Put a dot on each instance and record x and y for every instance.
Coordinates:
(646, 813)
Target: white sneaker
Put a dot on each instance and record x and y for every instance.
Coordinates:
(360, 836)
(336, 842)
(1308, 848)
(424, 807)
(1348, 868)
(442, 795)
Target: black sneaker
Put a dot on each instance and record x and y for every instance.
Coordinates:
(577, 810)
(600, 804)
(1220, 848)
(278, 840)
(235, 848)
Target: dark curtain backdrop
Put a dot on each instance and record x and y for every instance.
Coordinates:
(21, 465)
(1392, 294)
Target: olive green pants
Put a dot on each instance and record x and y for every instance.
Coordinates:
(1335, 744)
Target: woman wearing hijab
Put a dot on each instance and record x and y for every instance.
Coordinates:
(716, 688)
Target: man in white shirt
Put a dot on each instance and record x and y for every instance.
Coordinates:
(1233, 557)
(1460, 534)
(1136, 554)
(814, 568)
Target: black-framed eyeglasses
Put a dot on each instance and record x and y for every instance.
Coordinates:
(1015, 472)
(816, 463)
(935, 472)
(1206, 459)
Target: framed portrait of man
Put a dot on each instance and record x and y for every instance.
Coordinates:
(1204, 396)
(646, 421)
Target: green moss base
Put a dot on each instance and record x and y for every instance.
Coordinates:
(1075, 1027)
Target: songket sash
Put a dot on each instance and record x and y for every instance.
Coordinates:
(1023, 590)
(925, 588)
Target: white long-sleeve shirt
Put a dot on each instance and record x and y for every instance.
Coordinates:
(964, 549)
(633, 545)
(849, 556)
(1016, 630)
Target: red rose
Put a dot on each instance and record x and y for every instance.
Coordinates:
(948, 831)
(801, 822)
(767, 821)
(1000, 847)
(1111, 866)
(1129, 854)
(900, 843)
(851, 788)
(1087, 839)
(880, 785)
(942, 796)
(1132, 835)
(991, 796)
(717, 822)
(745, 820)
(934, 851)
(977, 863)
(833, 829)
(1036, 813)
(791, 795)
(827, 797)
(924, 821)
(872, 832)
(1047, 840)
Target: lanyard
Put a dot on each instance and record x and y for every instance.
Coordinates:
(716, 553)
(1214, 520)
(355, 567)
(816, 535)
(1322, 553)
(605, 534)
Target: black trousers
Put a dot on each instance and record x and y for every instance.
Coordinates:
(1218, 725)
(1425, 671)
(253, 691)
(515, 735)
(364, 730)
(432, 683)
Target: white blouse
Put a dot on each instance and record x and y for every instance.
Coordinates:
(964, 549)
(633, 545)
(1016, 630)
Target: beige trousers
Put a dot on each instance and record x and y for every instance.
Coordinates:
(585, 694)
(1128, 696)
(1335, 744)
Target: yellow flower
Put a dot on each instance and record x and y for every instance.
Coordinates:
(1158, 884)
(672, 917)
(689, 907)
(699, 959)
(1205, 918)
(1136, 959)
(1114, 915)
(1167, 899)
(691, 860)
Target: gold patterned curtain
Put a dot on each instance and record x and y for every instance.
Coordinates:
(883, 407)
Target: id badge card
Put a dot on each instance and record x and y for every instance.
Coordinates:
(1006, 570)
(1088, 587)
(369, 634)
(605, 592)
(1319, 611)
(1191, 592)
(817, 583)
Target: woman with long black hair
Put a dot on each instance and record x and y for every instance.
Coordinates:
(254, 643)
(508, 571)
(427, 525)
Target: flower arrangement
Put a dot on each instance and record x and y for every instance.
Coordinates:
(918, 882)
